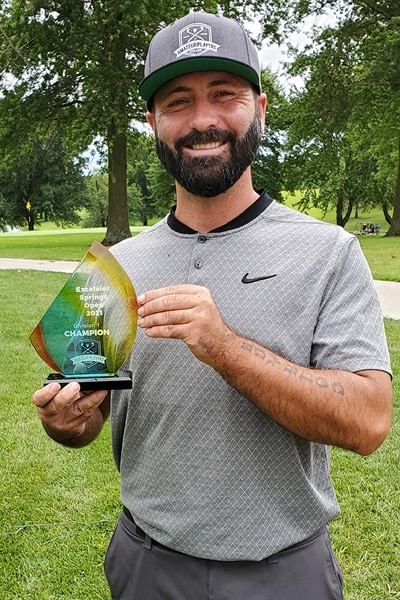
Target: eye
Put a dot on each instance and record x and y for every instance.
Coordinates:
(224, 93)
(177, 103)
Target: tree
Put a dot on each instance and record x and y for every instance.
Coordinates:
(162, 186)
(42, 181)
(268, 168)
(96, 214)
(75, 65)
(350, 103)
(140, 153)
(320, 160)
(377, 103)
(326, 158)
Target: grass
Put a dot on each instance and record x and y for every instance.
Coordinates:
(366, 536)
(382, 253)
(383, 256)
(58, 506)
(51, 244)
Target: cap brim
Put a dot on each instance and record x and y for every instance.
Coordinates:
(149, 85)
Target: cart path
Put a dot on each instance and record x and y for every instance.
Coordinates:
(389, 297)
(388, 291)
(60, 266)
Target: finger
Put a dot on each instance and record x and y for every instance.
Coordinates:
(49, 403)
(177, 332)
(178, 290)
(88, 403)
(157, 293)
(165, 317)
(170, 304)
(46, 394)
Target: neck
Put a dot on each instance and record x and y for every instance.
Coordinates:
(206, 214)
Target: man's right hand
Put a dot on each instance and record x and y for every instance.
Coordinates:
(69, 416)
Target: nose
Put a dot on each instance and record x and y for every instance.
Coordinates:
(202, 116)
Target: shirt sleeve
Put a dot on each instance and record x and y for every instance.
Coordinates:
(350, 334)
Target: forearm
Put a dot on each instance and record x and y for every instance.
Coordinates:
(339, 408)
(349, 410)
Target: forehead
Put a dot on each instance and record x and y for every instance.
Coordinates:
(201, 80)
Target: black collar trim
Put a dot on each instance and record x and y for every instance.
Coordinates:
(262, 202)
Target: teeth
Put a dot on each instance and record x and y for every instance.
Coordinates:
(208, 146)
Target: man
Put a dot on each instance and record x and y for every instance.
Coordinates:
(255, 355)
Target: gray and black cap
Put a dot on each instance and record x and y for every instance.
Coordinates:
(199, 41)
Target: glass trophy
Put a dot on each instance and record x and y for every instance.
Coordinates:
(89, 330)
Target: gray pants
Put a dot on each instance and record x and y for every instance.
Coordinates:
(139, 569)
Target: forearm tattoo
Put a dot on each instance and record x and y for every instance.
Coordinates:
(292, 370)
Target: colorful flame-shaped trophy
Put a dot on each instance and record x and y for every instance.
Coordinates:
(89, 330)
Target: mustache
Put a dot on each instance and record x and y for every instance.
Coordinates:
(205, 137)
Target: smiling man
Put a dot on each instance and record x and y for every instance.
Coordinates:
(210, 158)
(255, 355)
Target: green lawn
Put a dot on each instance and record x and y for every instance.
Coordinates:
(51, 244)
(383, 256)
(58, 506)
(382, 253)
(366, 536)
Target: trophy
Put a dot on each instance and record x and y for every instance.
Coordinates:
(89, 330)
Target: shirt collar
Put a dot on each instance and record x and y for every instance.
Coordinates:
(255, 209)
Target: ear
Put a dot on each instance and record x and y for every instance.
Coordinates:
(150, 120)
(262, 108)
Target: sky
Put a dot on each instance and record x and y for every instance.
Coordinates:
(274, 55)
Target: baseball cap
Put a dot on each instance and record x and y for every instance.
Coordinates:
(199, 41)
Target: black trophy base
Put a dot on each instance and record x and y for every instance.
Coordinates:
(89, 384)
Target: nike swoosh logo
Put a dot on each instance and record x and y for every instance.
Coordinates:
(247, 279)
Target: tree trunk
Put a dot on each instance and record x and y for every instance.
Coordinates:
(31, 221)
(348, 213)
(117, 219)
(388, 217)
(339, 208)
(340, 219)
(394, 229)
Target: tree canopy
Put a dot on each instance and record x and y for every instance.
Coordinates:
(268, 168)
(344, 131)
(73, 68)
(41, 181)
(75, 65)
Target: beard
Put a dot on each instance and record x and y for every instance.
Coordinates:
(208, 176)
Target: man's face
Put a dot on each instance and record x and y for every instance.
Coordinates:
(207, 127)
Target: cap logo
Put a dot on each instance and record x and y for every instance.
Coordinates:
(195, 39)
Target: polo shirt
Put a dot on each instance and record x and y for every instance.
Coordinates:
(203, 470)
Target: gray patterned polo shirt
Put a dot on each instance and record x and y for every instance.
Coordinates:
(203, 470)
